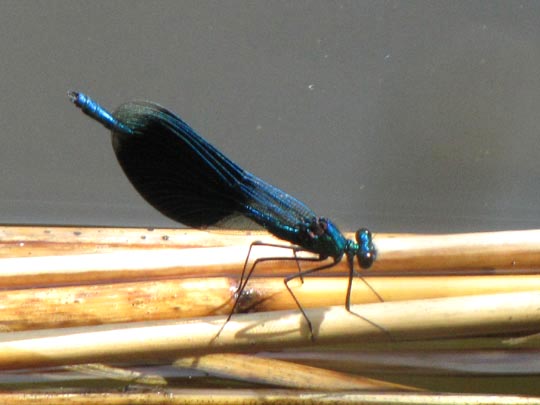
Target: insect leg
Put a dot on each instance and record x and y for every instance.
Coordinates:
(246, 275)
(302, 274)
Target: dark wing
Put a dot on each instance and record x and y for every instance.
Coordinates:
(188, 180)
(279, 212)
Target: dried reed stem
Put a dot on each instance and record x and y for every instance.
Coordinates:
(430, 318)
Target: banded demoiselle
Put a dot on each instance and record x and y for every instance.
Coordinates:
(190, 181)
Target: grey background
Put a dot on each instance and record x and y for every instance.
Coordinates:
(412, 116)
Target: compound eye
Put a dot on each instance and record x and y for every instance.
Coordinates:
(365, 259)
(363, 236)
(366, 250)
